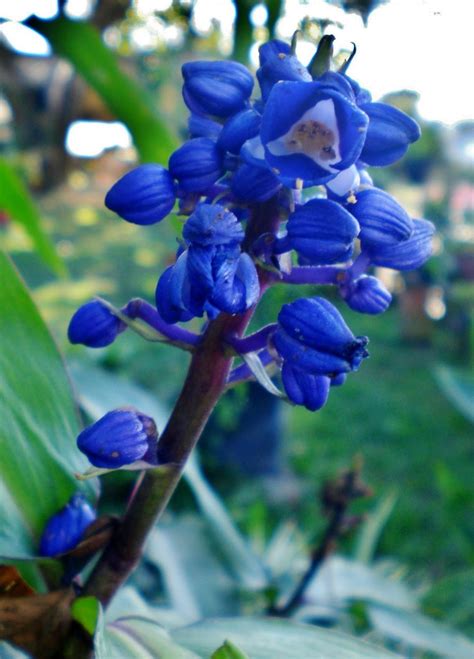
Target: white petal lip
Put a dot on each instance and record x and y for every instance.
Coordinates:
(347, 181)
(324, 113)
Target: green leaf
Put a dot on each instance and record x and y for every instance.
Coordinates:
(239, 556)
(139, 638)
(86, 611)
(458, 387)
(20, 207)
(81, 44)
(229, 651)
(38, 454)
(373, 526)
(266, 638)
(418, 631)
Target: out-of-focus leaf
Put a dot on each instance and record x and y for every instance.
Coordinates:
(265, 638)
(85, 610)
(195, 579)
(129, 599)
(372, 528)
(82, 45)
(139, 638)
(16, 201)
(458, 387)
(39, 423)
(418, 631)
(238, 554)
(99, 392)
(341, 581)
(8, 651)
(229, 651)
(453, 599)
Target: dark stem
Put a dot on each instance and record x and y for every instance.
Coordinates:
(336, 497)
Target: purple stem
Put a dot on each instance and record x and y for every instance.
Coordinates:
(359, 266)
(242, 372)
(313, 274)
(138, 308)
(253, 342)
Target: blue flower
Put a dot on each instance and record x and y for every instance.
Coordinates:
(65, 529)
(278, 63)
(313, 337)
(303, 388)
(321, 231)
(389, 135)
(213, 225)
(203, 127)
(216, 88)
(94, 325)
(311, 132)
(367, 295)
(143, 196)
(211, 273)
(409, 254)
(250, 183)
(238, 129)
(121, 437)
(382, 220)
(196, 165)
(344, 184)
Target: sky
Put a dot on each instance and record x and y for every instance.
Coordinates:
(421, 45)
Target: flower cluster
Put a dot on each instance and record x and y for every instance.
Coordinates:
(274, 188)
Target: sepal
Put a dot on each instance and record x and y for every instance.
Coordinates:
(408, 255)
(196, 165)
(303, 388)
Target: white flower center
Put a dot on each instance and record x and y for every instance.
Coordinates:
(315, 135)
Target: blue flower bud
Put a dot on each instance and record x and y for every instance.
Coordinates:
(169, 292)
(202, 127)
(277, 63)
(367, 295)
(238, 129)
(321, 231)
(382, 220)
(313, 336)
(303, 388)
(94, 325)
(236, 287)
(389, 134)
(143, 196)
(216, 88)
(251, 183)
(212, 225)
(120, 438)
(407, 255)
(196, 165)
(311, 132)
(65, 529)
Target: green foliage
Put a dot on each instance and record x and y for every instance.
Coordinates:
(265, 638)
(38, 455)
(81, 44)
(16, 201)
(229, 651)
(85, 610)
(458, 386)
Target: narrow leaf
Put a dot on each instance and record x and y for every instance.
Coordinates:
(229, 651)
(20, 207)
(86, 611)
(38, 454)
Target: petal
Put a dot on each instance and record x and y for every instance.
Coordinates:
(389, 134)
(382, 220)
(407, 255)
(305, 389)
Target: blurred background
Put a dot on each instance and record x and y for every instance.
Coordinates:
(89, 89)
